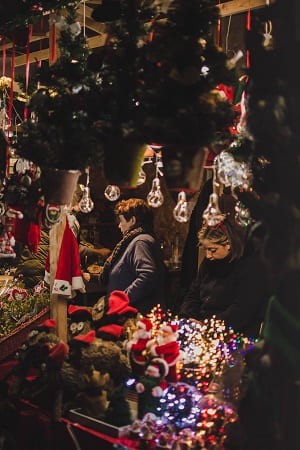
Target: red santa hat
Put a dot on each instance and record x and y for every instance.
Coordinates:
(50, 324)
(86, 338)
(118, 303)
(154, 370)
(145, 324)
(74, 310)
(169, 327)
(68, 277)
(113, 330)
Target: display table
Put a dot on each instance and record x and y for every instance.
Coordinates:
(36, 431)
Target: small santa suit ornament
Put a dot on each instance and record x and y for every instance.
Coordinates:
(68, 277)
(137, 345)
(166, 346)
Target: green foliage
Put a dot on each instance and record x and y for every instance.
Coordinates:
(159, 72)
(62, 130)
(19, 14)
(15, 311)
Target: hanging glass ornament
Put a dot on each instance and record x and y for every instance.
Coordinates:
(141, 177)
(22, 165)
(86, 204)
(242, 215)
(212, 214)
(155, 197)
(233, 173)
(112, 192)
(181, 211)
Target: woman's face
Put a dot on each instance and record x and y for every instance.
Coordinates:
(124, 224)
(214, 251)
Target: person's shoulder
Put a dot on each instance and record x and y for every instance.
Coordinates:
(144, 237)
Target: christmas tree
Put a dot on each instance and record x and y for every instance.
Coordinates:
(62, 131)
(160, 70)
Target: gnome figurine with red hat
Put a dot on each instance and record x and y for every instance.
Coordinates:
(116, 310)
(137, 345)
(150, 387)
(166, 346)
(79, 320)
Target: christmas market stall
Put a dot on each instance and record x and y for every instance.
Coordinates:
(149, 99)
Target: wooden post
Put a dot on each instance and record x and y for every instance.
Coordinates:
(58, 303)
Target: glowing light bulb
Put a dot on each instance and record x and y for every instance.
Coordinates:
(155, 197)
(181, 212)
(212, 214)
(86, 204)
(112, 192)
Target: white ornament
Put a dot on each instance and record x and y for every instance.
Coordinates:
(112, 192)
(181, 211)
(155, 197)
(86, 204)
(212, 214)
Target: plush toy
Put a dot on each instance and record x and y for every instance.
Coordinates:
(80, 320)
(37, 373)
(116, 310)
(150, 387)
(84, 386)
(165, 346)
(137, 345)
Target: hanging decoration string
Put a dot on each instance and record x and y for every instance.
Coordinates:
(84, 18)
(27, 67)
(227, 34)
(3, 59)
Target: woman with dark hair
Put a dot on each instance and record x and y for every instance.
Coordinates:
(231, 284)
(136, 266)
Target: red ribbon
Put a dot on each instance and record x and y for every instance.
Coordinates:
(248, 28)
(53, 44)
(27, 67)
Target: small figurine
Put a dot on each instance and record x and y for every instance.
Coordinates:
(137, 345)
(165, 346)
(151, 386)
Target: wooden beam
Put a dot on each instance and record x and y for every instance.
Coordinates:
(240, 6)
(34, 38)
(84, 14)
(41, 55)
